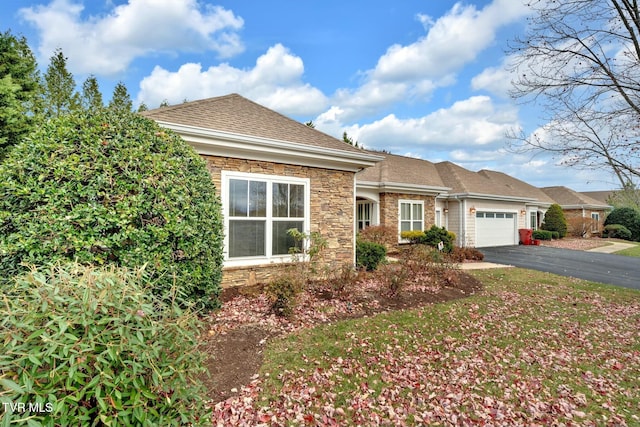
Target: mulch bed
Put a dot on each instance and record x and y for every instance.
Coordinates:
(238, 332)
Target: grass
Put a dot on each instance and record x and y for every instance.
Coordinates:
(531, 348)
(632, 252)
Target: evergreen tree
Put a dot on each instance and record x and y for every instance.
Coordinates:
(121, 101)
(20, 89)
(142, 107)
(60, 96)
(554, 220)
(91, 95)
(346, 138)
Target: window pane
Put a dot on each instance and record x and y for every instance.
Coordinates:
(296, 201)
(499, 215)
(257, 199)
(238, 197)
(405, 226)
(281, 240)
(405, 211)
(417, 212)
(246, 238)
(417, 225)
(280, 200)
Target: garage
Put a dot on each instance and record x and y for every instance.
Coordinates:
(496, 229)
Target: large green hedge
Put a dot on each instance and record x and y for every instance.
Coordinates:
(91, 346)
(628, 217)
(112, 188)
(554, 220)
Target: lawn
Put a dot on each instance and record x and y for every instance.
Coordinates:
(530, 349)
(633, 252)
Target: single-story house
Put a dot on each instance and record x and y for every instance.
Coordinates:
(580, 210)
(272, 174)
(399, 192)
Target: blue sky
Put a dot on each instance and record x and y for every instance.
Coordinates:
(419, 78)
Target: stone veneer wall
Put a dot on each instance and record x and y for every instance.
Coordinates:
(573, 214)
(332, 212)
(389, 209)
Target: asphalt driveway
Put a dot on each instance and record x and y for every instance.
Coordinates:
(596, 267)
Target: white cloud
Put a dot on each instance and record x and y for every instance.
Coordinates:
(472, 122)
(106, 45)
(414, 71)
(275, 81)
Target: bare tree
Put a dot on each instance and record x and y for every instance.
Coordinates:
(580, 62)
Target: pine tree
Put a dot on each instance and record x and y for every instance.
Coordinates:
(60, 96)
(91, 95)
(554, 220)
(20, 89)
(121, 101)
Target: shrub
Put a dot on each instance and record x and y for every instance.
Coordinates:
(617, 231)
(393, 277)
(413, 236)
(579, 226)
(112, 188)
(380, 234)
(91, 346)
(436, 234)
(555, 235)
(628, 217)
(369, 255)
(282, 291)
(462, 254)
(542, 235)
(554, 220)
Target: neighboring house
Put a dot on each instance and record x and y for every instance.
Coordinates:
(399, 192)
(579, 209)
(272, 174)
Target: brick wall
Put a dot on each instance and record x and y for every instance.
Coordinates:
(332, 212)
(389, 209)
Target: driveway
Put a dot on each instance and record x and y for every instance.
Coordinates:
(596, 267)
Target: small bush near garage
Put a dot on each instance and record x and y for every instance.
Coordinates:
(112, 188)
(617, 231)
(554, 220)
(463, 254)
(369, 255)
(92, 346)
(435, 235)
(542, 235)
(628, 217)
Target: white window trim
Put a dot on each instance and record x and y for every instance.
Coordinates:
(269, 179)
(412, 202)
(595, 222)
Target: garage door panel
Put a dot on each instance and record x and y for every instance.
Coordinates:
(495, 229)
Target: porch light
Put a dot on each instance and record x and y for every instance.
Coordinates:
(523, 212)
(472, 210)
(446, 210)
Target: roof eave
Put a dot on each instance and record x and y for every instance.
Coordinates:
(400, 187)
(219, 143)
(492, 197)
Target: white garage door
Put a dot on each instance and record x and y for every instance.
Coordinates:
(495, 229)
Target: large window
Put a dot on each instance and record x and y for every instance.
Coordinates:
(411, 215)
(259, 209)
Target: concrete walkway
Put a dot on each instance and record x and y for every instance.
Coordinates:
(612, 247)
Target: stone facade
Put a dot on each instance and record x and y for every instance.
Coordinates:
(332, 212)
(580, 219)
(389, 209)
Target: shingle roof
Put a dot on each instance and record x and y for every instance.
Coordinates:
(517, 186)
(402, 170)
(236, 114)
(601, 196)
(567, 197)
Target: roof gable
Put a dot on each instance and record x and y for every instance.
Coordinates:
(237, 115)
(402, 170)
(567, 197)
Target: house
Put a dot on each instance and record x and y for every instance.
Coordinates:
(399, 192)
(585, 215)
(272, 174)
(488, 208)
